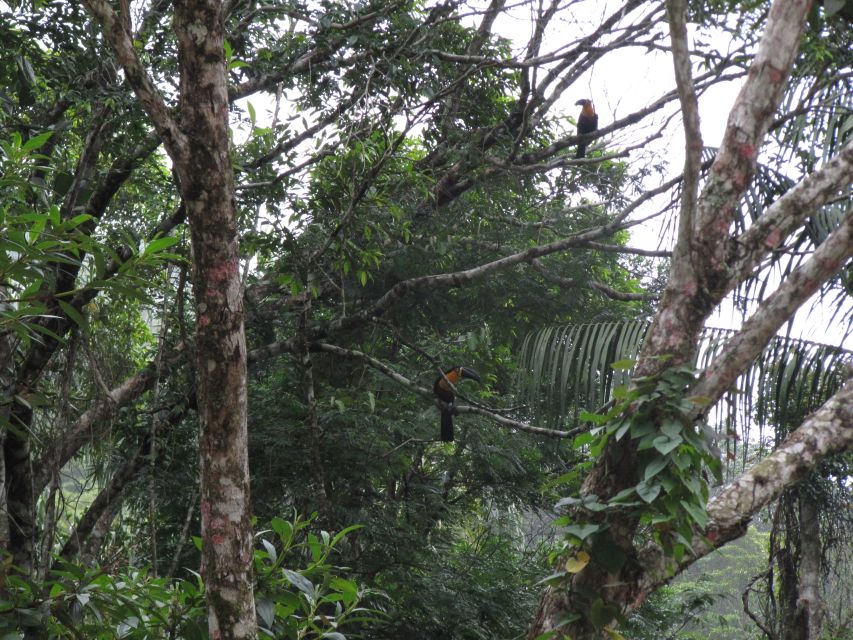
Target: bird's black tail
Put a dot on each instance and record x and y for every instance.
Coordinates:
(581, 150)
(446, 426)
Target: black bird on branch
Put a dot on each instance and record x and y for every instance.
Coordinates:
(587, 123)
(444, 391)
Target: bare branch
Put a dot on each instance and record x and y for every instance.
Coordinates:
(571, 283)
(789, 212)
(775, 310)
(460, 278)
(427, 393)
(615, 248)
(122, 45)
(515, 424)
(677, 13)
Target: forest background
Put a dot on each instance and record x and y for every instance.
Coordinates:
(241, 240)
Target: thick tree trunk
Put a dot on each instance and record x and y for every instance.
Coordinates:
(198, 145)
(20, 498)
(7, 387)
(207, 186)
(700, 277)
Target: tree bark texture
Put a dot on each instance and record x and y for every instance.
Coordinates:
(198, 145)
(207, 185)
(808, 611)
(701, 276)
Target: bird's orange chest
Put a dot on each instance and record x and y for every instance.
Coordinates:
(442, 389)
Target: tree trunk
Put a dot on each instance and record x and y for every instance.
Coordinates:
(701, 275)
(207, 186)
(198, 144)
(20, 498)
(808, 608)
(7, 387)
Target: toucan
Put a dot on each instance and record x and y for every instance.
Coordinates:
(444, 392)
(587, 123)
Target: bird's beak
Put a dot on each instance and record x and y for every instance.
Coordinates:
(580, 103)
(467, 372)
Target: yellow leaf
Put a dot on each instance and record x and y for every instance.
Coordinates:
(613, 635)
(578, 562)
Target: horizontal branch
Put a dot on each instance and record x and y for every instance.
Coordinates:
(515, 424)
(572, 283)
(427, 393)
(615, 248)
(825, 433)
(460, 278)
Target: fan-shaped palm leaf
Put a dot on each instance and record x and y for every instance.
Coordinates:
(566, 370)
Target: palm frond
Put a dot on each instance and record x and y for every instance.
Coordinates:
(566, 370)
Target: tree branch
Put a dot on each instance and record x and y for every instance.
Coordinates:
(427, 393)
(121, 42)
(682, 265)
(785, 215)
(67, 443)
(826, 432)
(742, 348)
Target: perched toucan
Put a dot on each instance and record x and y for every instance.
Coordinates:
(587, 123)
(443, 392)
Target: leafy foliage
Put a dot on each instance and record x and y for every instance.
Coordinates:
(570, 369)
(318, 600)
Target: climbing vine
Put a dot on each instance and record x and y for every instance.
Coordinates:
(675, 459)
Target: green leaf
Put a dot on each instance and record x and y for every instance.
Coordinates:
(36, 142)
(347, 588)
(600, 614)
(665, 444)
(158, 244)
(269, 549)
(655, 467)
(553, 580)
(266, 611)
(622, 495)
(671, 428)
(582, 440)
(648, 492)
(302, 583)
(622, 430)
(583, 530)
(78, 318)
(595, 418)
(568, 501)
(625, 364)
(641, 429)
(343, 532)
(697, 512)
(667, 482)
